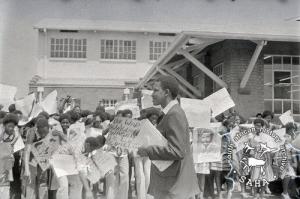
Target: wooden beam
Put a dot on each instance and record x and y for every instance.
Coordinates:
(202, 45)
(242, 36)
(180, 87)
(183, 81)
(252, 63)
(198, 64)
(168, 54)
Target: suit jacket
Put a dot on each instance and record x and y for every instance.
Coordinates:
(179, 181)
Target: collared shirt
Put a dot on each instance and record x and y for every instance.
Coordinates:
(169, 106)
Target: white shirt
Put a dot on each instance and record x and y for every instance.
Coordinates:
(169, 106)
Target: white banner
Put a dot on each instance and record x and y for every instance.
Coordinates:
(219, 101)
(196, 111)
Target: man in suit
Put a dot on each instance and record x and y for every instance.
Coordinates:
(179, 180)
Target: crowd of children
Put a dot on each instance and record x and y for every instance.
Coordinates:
(25, 178)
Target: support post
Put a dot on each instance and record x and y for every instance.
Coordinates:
(198, 64)
(252, 63)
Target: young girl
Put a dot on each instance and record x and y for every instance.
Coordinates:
(256, 172)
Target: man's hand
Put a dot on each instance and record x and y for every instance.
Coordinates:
(142, 151)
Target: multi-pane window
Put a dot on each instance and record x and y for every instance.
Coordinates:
(157, 48)
(118, 49)
(218, 70)
(68, 48)
(282, 84)
(108, 102)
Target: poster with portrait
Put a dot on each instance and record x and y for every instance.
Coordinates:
(206, 145)
(44, 149)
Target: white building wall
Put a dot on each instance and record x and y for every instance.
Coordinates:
(19, 41)
(93, 67)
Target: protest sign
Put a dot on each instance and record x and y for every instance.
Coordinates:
(129, 104)
(219, 101)
(63, 165)
(104, 161)
(122, 132)
(49, 104)
(129, 134)
(76, 135)
(93, 173)
(206, 145)
(196, 111)
(7, 95)
(44, 149)
(19, 144)
(25, 105)
(286, 117)
(148, 136)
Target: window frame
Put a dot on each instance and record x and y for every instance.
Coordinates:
(68, 38)
(283, 67)
(168, 44)
(133, 50)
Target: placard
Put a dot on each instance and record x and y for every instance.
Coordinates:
(122, 132)
(286, 117)
(148, 136)
(219, 101)
(25, 105)
(206, 145)
(63, 165)
(19, 144)
(198, 112)
(76, 135)
(44, 149)
(7, 95)
(49, 104)
(104, 161)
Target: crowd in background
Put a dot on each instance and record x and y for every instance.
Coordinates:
(26, 179)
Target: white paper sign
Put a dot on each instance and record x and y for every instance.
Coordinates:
(206, 145)
(148, 136)
(104, 161)
(219, 101)
(63, 165)
(49, 104)
(7, 94)
(19, 144)
(286, 117)
(196, 111)
(25, 105)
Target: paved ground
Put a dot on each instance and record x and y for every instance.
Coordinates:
(235, 195)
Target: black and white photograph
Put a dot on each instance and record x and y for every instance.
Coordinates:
(150, 99)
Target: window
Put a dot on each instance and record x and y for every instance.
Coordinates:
(157, 48)
(282, 84)
(68, 48)
(218, 70)
(108, 102)
(118, 49)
